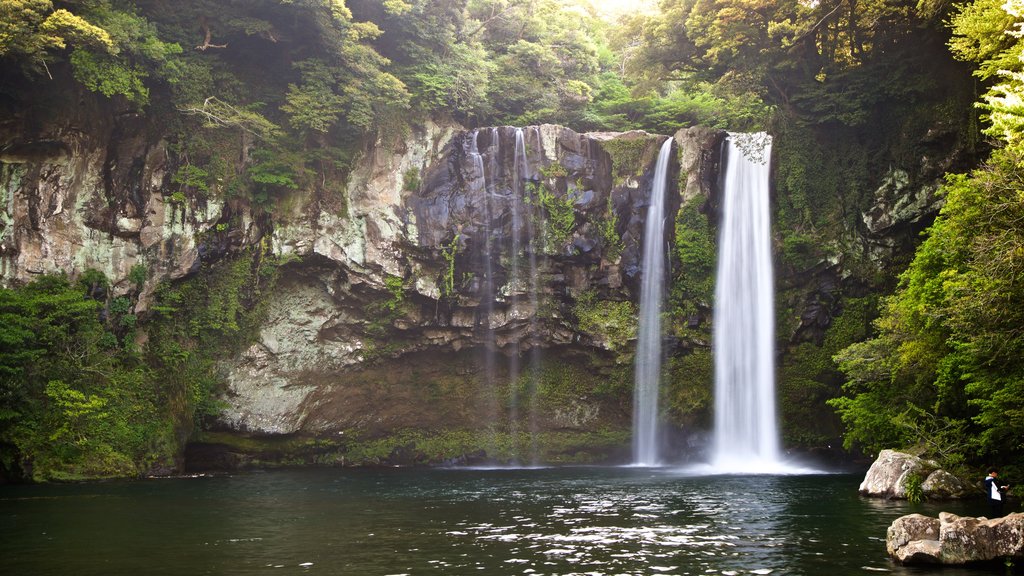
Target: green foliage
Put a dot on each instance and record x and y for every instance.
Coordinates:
(78, 400)
(945, 363)
(693, 284)
(677, 105)
(808, 378)
(138, 275)
(449, 252)
(411, 179)
(560, 218)
(73, 403)
(273, 173)
(108, 76)
(554, 385)
(627, 156)
(193, 177)
(31, 31)
(608, 228)
(912, 484)
(315, 105)
(202, 320)
(689, 388)
(382, 313)
(396, 287)
(216, 113)
(980, 35)
(455, 80)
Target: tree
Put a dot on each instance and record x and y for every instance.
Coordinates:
(950, 342)
(31, 31)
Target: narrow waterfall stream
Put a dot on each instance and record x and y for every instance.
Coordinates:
(746, 432)
(479, 183)
(646, 449)
(519, 282)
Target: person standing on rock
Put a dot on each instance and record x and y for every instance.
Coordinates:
(996, 493)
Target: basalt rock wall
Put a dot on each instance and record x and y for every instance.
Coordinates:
(465, 274)
(455, 283)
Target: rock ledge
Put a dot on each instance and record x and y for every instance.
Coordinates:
(954, 540)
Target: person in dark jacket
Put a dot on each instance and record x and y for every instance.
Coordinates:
(996, 493)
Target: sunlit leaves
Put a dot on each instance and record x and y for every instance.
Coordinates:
(950, 340)
(314, 105)
(31, 30)
(108, 76)
(980, 35)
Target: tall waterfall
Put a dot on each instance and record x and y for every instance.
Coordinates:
(648, 348)
(479, 183)
(746, 436)
(523, 222)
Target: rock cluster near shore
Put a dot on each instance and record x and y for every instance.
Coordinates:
(888, 475)
(954, 540)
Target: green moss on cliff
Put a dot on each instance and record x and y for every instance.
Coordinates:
(808, 377)
(689, 389)
(608, 228)
(612, 322)
(629, 156)
(693, 285)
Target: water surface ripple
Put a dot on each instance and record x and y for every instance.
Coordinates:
(564, 521)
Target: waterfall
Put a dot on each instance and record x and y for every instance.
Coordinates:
(479, 184)
(523, 223)
(648, 348)
(746, 437)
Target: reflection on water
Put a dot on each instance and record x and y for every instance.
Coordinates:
(543, 521)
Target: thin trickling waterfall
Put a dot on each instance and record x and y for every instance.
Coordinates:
(523, 224)
(648, 348)
(746, 435)
(515, 273)
(535, 321)
(479, 184)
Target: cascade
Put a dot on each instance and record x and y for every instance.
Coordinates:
(745, 434)
(648, 348)
(523, 223)
(479, 184)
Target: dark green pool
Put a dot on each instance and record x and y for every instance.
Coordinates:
(403, 521)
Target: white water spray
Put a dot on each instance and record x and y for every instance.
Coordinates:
(746, 435)
(646, 449)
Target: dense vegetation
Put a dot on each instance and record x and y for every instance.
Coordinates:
(84, 394)
(259, 98)
(944, 372)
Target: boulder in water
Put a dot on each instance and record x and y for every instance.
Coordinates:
(955, 540)
(941, 485)
(888, 475)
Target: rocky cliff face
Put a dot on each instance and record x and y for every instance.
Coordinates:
(448, 295)
(461, 282)
(458, 280)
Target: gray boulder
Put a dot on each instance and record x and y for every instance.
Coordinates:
(941, 485)
(888, 475)
(954, 540)
(911, 528)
